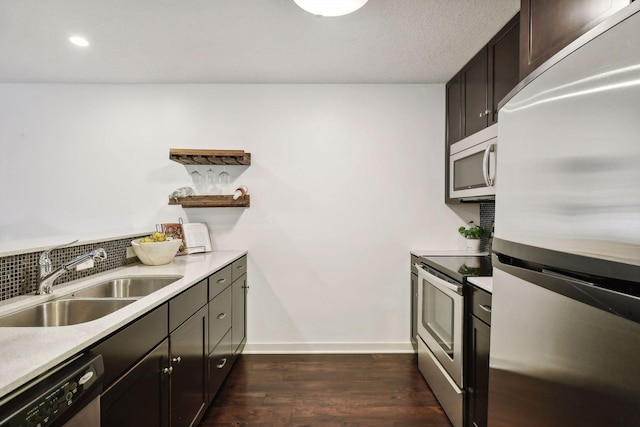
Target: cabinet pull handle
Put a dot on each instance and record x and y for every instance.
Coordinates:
(221, 363)
(485, 307)
(167, 370)
(177, 359)
(222, 316)
(222, 280)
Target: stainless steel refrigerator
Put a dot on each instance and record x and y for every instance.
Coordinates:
(565, 331)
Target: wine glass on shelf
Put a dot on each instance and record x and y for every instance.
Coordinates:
(210, 179)
(224, 181)
(196, 179)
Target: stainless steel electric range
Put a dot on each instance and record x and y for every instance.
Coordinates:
(441, 323)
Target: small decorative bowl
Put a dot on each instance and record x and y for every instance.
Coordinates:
(156, 253)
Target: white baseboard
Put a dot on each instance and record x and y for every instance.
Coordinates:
(323, 348)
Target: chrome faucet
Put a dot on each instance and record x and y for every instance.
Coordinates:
(48, 275)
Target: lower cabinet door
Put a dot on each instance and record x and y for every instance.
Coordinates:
(238, 313)
(141, 396)
(189, 370)
(478, 401)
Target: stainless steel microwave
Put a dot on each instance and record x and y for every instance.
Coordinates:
(472, 166)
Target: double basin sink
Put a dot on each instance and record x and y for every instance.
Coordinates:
(88, 304)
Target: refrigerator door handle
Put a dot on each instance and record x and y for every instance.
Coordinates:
(489, 180)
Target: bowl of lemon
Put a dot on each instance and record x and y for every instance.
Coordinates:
(156, 249)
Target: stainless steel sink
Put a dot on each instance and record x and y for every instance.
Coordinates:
(127, 287)
(63, 312)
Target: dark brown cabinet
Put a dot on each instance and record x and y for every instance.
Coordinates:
(503, 51)
(548, 26)
(473, 94)
(165, 368)
(454, 110)
(479, 373)
(479, 342)
(239, 307)
(475, 84)
(227, 321)
(220, 362)
(189, 370)
(220, 307)
(136, 389)
(141, 397)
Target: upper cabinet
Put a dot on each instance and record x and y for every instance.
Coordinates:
(503, 65)
(474, 93)
(548, 26)
(454, 109)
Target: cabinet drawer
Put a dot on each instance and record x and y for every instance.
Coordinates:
(480, 304)
(184, 305)
(238, 268)
(220, 362)
(124, 348)
(219, 317)
(219, 281)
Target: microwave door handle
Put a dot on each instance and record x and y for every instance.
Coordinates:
(441, 283)
(485, 165)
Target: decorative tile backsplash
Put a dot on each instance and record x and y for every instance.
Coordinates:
(487, 219)
(19, 273)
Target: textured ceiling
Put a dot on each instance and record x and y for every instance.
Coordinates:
(243, 41)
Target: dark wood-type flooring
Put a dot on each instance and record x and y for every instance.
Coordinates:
(371, 390)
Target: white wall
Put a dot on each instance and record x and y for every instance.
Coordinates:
(344, 181)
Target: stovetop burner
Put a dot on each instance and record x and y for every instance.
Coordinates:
(459, 267)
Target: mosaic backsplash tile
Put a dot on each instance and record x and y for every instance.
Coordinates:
(487, 219)
(19, 273)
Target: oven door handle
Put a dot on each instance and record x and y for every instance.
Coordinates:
(438, 282)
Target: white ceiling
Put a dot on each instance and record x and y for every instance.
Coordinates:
(243, 41)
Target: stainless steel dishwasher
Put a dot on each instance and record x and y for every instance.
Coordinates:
(67, 396)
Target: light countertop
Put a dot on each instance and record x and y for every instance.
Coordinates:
(29, 352)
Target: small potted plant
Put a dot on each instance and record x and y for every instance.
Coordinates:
(473, 233)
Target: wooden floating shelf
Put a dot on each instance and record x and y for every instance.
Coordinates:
(188, 156)
(211, 201)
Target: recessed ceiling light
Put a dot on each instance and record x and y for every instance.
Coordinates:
(79, 41)
(330, 7)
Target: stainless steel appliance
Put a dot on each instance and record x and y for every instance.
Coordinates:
(565, 332)
(68, 396)
(472, 166)
(441, 323)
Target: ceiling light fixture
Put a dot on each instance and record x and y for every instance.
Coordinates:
(79, 41)
(330, 7)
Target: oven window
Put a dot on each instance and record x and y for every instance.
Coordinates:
(467, 172)
(438, 315)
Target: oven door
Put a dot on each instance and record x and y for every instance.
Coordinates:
(440, 320)
(472, 166)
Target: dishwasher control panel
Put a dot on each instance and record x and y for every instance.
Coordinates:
(55, 397)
